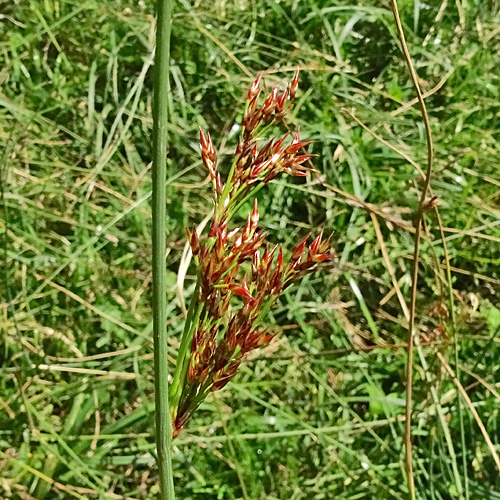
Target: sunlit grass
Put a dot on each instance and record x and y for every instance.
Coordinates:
(318, 414)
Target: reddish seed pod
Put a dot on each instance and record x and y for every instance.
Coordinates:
(280, 260)
(275, 159)
(223, 230)
(295, 147)
(271, 254)
(270, 102)
(203, 140)
(210, 166)
(240, 290)
(214, 229)
(275, 283)
(264, 339)
(208, 155)
(265, 151)
(222, 377)
(255, 215)
(252, 106)
(237, 243)
(232, 343)
(255, 265)
(315, 244)
(297, 253)
(281, 100)
(191, 374)
(194, 241)
(269, 177)
(248, 228)
(232, 233)
(297, 173)
(211, 149)
(277, 145)
(325, 245)
(254, 88)
(220, 249)
(254, 340)
(321, 257)
(259, 169)
(219, 185)
(298, 160)
(265, 256)
(268, 255)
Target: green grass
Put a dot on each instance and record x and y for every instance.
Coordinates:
(319, 414)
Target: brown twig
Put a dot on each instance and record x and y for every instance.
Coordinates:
(416, 253)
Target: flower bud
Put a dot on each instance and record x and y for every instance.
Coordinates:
(297, 253)
(281, 100)
(315, 244)
(254, 89)
(241, 290)
(194, 241)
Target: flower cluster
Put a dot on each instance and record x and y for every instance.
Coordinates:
(252, 165)
(239, 275)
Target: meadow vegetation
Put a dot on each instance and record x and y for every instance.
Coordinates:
(319, 412)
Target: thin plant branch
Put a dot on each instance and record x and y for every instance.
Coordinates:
(416, 252)
(448, 280)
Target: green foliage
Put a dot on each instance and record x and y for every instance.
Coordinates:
(318, 414)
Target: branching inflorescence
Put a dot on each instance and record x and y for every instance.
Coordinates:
(240, 276)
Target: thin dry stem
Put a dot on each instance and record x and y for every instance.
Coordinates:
(416, 252)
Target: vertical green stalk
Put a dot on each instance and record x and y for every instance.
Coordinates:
(160, 122)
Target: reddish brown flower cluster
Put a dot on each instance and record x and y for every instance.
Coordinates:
(273, 108)
(251, 164)
(238, 282)
(274, 158)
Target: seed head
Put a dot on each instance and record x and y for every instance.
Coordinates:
(231, 303)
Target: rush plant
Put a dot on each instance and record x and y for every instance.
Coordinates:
(239, 275)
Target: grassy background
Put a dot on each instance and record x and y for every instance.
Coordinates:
(318, 414)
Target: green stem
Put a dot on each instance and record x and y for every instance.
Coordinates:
(183, 356)
(221, 204)
(249, 195)
(160, 123)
